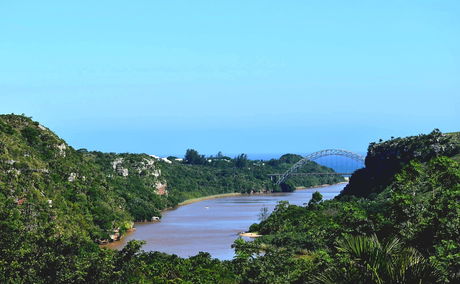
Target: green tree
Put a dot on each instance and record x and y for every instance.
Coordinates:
(194, 158)
(315, 199)
(241, 161)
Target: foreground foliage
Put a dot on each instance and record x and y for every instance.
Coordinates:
(367, 260)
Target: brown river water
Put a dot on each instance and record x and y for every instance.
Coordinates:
(212, 225)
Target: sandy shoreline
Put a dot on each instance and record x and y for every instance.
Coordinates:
(193, 200)
(113, 243)
(249, 234)
(319, 186)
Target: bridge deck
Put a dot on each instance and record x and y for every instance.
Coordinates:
(309, 174)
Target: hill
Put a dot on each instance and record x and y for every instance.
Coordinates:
(387, 158)
(99, 195)
(397, 221)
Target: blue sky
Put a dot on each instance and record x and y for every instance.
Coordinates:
(232, 76)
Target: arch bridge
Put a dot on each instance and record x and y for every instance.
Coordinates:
(359, 159)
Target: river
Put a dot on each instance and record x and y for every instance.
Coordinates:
(212, 225)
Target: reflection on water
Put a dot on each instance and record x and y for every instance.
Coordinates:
(213, 225)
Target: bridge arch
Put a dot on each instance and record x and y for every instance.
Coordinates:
(316, 155)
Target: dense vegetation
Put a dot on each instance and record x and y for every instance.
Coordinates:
(223, 174)
(195, 176)
(45, 181)
(57, 202)
(396, 222)
(99, 194)
(385, 159)
(406, 231)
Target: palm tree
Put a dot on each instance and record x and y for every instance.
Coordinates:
(369, 261)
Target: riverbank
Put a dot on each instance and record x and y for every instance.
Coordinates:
(318, 186)
(193, 200)
(249, 234)
(115, 243)
(223, 195)
(213, 225)
(185, 202)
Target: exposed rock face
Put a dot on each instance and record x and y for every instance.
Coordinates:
(117, 162)
(145, 165)
(149, 162)
(156, 173)
(119, 169)
(72, 177)
(125, 172)
(161, 188)
(62, 147)
(122, 171)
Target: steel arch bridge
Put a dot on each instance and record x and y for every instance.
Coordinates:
(317, 155)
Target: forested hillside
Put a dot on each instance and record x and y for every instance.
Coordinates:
(385, 159)
(100, 194)
(396, 222)
(45, 181)
(57, 203)
(185, 179)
